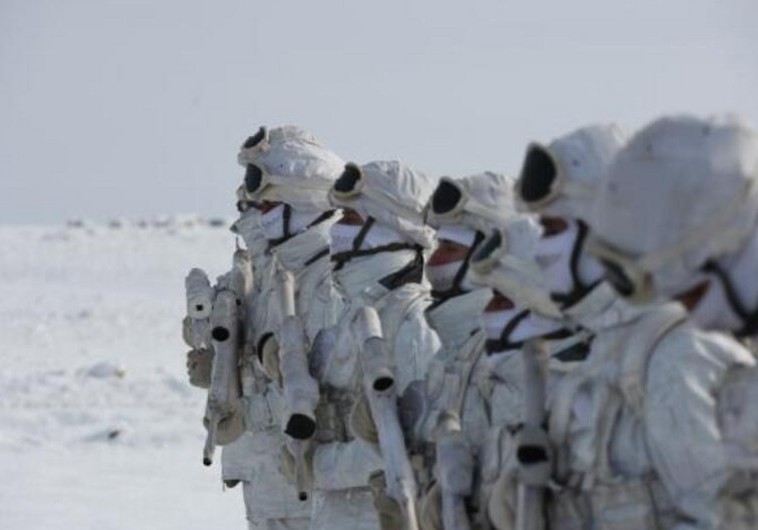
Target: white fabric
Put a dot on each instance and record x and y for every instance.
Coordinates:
(378, 235)
(708, 164)
(267, 493)
(553, 254)
(667, 430)
(714, 310)
(340, 468)
(269, 496)
(247, 226)
(516, 274)
(363, 274)
(295, 252)
(341, 237)
(457, 318)
(443, 276)
(344, 510)
(583, 156)
(301, 169)
(530, 327)
(394, 195)
(492, 192)
(272, 222)
(457, 233)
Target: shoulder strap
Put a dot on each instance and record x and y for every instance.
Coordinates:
(648, 332)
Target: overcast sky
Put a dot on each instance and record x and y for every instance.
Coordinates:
(137, 107)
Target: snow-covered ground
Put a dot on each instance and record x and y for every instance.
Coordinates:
(98, 426)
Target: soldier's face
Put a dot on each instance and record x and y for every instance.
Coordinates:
(350, 217)
(448, 252)
(498, 303)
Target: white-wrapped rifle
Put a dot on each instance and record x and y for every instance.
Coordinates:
(454, 470)
(380, 390)
(200, 297)
(233, 291)
(301, 394)
(533, 450)
(224, 392)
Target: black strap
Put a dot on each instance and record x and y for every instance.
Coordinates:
(343, 257)
(313, 259)
(358, 241)
(287, 217)
(261, 343)
(411, 273)
(579, 289)
(455, 289)
(749, 317)
(503, 343)
(574, 353)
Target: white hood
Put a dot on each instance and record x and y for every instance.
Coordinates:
(492, 191)
(583, 156)
(301, 169)
(394, 195)
(681, 192)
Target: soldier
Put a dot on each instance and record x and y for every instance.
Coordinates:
(287, 176)
(377, 252)
(676, 217)
(705, 254)
(617, 420)
(475, 381)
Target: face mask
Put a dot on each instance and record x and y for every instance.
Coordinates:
(341, 237)
(442, 277)
(725, 305)
(380, 235)
(272, 222)
(553, 254)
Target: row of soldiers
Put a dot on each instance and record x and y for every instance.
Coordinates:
(571, 349)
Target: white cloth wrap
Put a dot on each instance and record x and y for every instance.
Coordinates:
(341, 469)
(583, 156)
(641, 411)
(711, 165)
(394, 195)
(302, 170)
(255, 458)
(516, 273)
(492, 191)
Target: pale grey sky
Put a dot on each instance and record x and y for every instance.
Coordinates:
(137, 107)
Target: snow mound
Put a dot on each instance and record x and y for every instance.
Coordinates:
(100, 428)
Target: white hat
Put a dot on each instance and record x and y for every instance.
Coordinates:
(289, 165)
(562, 178)
(391, 193)
(681, 192)
(481, 202)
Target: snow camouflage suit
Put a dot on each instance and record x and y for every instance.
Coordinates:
(650, 379)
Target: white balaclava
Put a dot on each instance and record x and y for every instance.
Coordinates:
(680, 204)
(390, 197)
(561, 180)
(290, 166)
(464, 211)
(505, 262)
